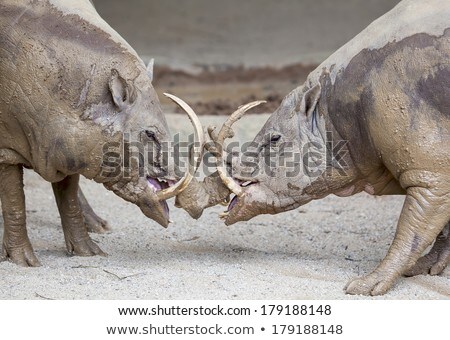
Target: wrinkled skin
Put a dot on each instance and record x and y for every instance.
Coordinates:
(382, 102)
(70, 85)
(437, 259)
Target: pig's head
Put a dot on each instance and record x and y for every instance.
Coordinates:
(276, 172)
(135, 156)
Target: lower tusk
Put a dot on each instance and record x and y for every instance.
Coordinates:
(229, 182)
(182, 183)
(176, 189)
(195, 153)
(224, 215)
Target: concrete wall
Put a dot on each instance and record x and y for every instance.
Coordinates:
(248, 32)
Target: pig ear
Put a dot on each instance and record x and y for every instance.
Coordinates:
(310, 99)
(123, 92)
(150, 68)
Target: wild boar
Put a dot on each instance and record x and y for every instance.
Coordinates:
(70, 85)
(384, 99)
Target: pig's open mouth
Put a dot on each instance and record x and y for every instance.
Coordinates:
(157, 185)
(235, 200)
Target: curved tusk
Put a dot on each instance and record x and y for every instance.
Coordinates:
(182, 183)
(228, 181)
(194, 156)
(227, 132)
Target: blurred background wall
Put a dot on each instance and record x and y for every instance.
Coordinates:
(248, 32)
(218, 54)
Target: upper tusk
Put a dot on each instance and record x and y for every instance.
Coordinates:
(227, 132)
(195, 153)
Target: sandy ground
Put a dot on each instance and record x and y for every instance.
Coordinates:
(307, 253)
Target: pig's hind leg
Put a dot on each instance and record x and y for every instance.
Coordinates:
(438, 257)
(94, 223)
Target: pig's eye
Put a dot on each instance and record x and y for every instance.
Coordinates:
(150, 134)
(274, 139)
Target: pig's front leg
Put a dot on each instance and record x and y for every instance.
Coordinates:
(425, 213)
(94, 223)
(16, 245)
(77, 238)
